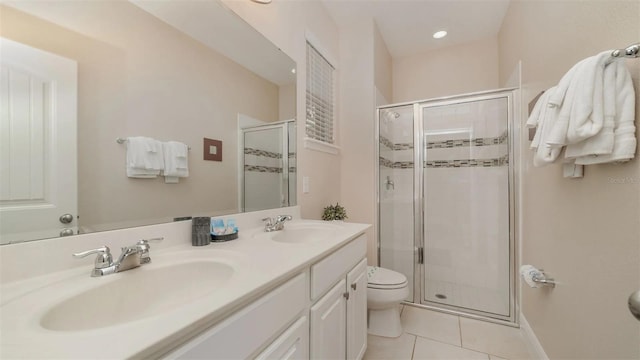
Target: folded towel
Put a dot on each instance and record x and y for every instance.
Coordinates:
(144, 157)
(557, 97)
(175, 161)
(557, 136)
(602, 142)
(571, 170)
(543, 118)
(624, 137)
(587, 115)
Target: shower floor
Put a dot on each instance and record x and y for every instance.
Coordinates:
(468, 297)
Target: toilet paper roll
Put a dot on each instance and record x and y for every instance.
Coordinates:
(528, 272)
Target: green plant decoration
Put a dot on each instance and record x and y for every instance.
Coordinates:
(334, 212)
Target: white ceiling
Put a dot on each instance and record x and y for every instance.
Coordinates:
(407, 26)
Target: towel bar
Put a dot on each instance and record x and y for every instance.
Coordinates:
(120, 140)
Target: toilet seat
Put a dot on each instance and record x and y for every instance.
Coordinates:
(385, 279)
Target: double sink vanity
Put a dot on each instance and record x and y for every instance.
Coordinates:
(296, 293)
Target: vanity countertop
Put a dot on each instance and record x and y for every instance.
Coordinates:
(259, 264)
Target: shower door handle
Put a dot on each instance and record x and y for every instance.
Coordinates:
(420, 255)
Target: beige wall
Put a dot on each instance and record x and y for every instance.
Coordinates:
(584, 232)
(382, 62)
(158, 83)
(450, 71)
(357, 114)
(285, 23)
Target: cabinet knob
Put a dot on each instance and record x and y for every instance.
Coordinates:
(354, 286)
(346, 295)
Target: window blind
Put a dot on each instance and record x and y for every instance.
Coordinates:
(320, 121)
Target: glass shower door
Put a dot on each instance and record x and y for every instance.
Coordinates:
(395, 192)
(466, 216)
(265, 182)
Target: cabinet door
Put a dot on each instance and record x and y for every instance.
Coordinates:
(328, 324)
(357, 311)
(292, 345)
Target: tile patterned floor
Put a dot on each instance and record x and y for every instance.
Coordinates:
(433, 335)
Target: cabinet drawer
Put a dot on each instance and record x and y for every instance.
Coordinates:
(245, 332)
(293, 344)
(329, 270)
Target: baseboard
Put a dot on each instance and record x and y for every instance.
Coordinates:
(535, 348)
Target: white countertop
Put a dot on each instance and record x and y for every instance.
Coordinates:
(259, 264)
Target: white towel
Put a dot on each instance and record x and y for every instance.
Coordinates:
(144, 157)
(571, 170)
(602, 142)
(543, 118)
(587, 114)
(175, 161)
(557, 136)
(624, 138)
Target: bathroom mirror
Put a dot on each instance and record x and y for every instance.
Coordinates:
(172, 70)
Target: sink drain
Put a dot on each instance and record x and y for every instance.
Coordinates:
(441, 296)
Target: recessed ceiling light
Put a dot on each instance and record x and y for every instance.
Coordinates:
(262, 1)
(439, 34)
(293, 71)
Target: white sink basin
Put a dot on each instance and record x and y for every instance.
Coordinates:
(303, 233)
(137, 294)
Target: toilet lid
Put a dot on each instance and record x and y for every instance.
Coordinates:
(381, 278)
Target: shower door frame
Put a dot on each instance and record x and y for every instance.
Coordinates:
(418, 177)
(284, 127)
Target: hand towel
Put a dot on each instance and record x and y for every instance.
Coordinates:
(175, 161)
(624, 137)
(558, 96)
(602, 142)
(587, 115)
(557, 136)
(142, 161)
(543, 117)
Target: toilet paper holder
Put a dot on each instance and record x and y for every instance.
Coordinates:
(542, 279)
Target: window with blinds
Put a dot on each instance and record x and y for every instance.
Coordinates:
(320, 119)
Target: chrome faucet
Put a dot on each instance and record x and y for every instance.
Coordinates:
(275, 224)
(131, 257)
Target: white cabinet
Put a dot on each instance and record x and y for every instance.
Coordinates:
(328, 324)
(320, 313)
(357, 311)
(339, 318)
(293, 344)
(245, 332)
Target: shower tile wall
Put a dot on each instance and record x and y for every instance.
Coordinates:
(262, 169)
(466, 206)
(396, 201)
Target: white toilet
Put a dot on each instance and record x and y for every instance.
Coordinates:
(385, 290)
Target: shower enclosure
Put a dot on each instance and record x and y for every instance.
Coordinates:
(268, 166)
(448, 223)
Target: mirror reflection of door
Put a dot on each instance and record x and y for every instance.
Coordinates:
(38, 160)
(266, 164)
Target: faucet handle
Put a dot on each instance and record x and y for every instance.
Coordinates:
(268, 221)
(103, 260)
(145, 242)
(143, 247)
(281, 218)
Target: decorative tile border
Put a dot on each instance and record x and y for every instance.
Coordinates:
(268, 169)
(447, 143)
(386, 142)
(501, 161)
(468, 142)
(262, 169)
(269, 154)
